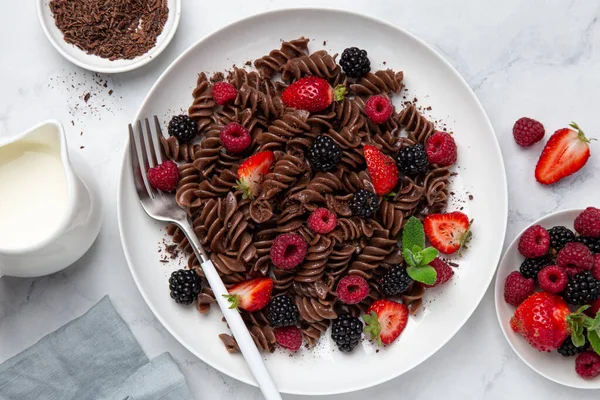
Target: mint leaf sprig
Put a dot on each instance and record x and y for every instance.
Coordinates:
(416, 255)
(579, 322)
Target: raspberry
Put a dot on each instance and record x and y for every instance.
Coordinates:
(164, 176)
(587, 365)
(444, 272)
(352, 289)
(596, 267)
(289, 337)
(553, 279)
(594, 307)
(379, 108)
(528, 131)
(235, 138)
(588, 222)
(288, 250)
(441, 149)
(574, 258)
(517, 288)
(224, 93)
(322, 220)
(535, 242)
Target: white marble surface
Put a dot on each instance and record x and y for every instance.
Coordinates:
(536, 58)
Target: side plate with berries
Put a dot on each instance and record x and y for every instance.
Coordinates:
(551, 268)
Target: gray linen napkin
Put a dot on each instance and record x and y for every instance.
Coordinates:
(92, 357)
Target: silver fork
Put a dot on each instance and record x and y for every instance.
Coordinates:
(147, 152)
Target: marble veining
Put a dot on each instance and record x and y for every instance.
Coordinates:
(538, 58)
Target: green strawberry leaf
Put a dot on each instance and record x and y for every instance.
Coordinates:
(426, 275)
(234, 299)
(391, 194)
(428, 255)
(413, 234)
(594, 339)
(372, 327)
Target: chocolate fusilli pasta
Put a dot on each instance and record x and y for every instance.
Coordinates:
(238, 229)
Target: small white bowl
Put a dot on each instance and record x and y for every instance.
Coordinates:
(552, 366)
(99, 64)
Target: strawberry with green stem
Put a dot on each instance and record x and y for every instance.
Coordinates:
(252, 295)
(312, 93)
(251, 171)
(545, 321)
(565, 153)
(385, 320)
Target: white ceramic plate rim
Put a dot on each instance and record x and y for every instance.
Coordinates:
(128, 65)
(502, 185)
(499, 297)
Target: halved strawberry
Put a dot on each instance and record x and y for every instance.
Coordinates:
(252, 295)
(385, 320)
(448, 232)
(251, 171)
(312, 94)
(566, 152)
(382, 170)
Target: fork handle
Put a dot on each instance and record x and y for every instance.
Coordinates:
(235, 321)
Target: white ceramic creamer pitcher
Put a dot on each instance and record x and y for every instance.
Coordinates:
(49, 217)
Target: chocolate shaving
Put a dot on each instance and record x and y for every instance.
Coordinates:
(113, 29)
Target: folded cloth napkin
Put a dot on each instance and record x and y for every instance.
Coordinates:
(92, 357)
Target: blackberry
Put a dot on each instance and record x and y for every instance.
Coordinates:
(324, 154)
(531, 266)
(346, 332)
(364, 203)
(592, 243)
(413, 160)
(581, 289)
(568, 349)
(282, 311)
(559, 236)
(183, 128)
(395, 281)
(355, 62)
(185, 285)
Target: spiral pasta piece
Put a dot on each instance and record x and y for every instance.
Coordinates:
(419, 127)
(276, 59)
(381, 82)
(203, 105)
(320, 63)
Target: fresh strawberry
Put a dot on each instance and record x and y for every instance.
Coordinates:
(382, 169)
(251, 171)
(542, 320)
(385, 320)
(312, 94)
(448, 232)
(252, 295)
(566, 152)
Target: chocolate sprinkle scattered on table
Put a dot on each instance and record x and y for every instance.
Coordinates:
(113, 29)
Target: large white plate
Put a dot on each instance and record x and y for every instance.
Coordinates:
(481, 173)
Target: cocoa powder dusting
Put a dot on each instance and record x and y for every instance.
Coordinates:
(113, 29)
